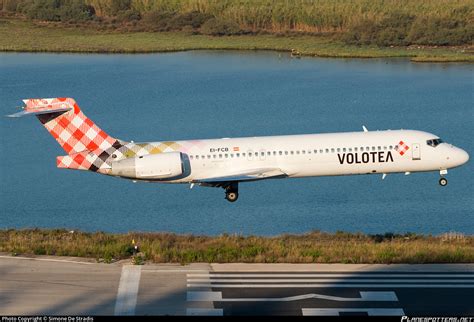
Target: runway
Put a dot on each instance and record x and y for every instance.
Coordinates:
(65, 286)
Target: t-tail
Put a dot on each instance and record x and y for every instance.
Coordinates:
(87, 146)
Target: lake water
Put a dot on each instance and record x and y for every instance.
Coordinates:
(230, 94)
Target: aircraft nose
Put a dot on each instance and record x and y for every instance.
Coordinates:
(463, 156)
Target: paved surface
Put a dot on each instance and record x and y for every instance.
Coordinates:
(71, 286)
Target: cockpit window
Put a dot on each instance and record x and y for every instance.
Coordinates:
(434, 142)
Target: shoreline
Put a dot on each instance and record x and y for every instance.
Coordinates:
(20, 36)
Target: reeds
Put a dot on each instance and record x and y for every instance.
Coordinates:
(314, 247)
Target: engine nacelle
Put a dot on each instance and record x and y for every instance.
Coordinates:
(152, 166)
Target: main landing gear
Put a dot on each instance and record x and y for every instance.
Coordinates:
(443, 181)
(232, 192)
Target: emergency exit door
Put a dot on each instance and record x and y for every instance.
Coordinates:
(416, 153)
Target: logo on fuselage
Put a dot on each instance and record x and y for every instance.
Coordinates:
(365, 157)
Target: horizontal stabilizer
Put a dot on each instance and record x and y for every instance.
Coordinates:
(45, 106)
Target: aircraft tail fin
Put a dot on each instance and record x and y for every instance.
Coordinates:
(65, 121)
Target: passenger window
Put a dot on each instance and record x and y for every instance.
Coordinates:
(338, 150)
(243, 154)
(315, 151)
(250, 154)
(231, 155)
(385, 148)
(238, 155)
(269, 153)
(214, 156)
(291, 152)
(274, 152)
(262, 154)
(380, 148)
(350, 149)
(321, 151)
(226, 155)
(197, 157)
(220, 156)
(332, 150)
(356, 149)
(373, 148)
(343, 149)
(390, 147)
(286, 152)
(303, 151)
(203, 157)
(191, 157)
(367, 148)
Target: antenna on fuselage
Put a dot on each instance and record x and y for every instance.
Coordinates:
(365, 129)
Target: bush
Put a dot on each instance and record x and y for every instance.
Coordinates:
(220, 27)
(56, 10)
(129, 15)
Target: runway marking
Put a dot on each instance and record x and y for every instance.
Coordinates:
(354, 275)
(369, 311)
(204, 312)
(364, 296)
(174, 271)
(47, 260)
(128, 290)
(325, 280)
(342, 285)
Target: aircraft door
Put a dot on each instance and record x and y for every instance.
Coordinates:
(416, 153)
(262, 155)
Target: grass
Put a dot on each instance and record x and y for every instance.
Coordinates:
(314, 247)
(18, 35)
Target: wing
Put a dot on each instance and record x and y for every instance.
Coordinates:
(249, 175)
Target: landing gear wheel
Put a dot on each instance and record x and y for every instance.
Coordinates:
(443, 182)
(232, 191)
(232, 196)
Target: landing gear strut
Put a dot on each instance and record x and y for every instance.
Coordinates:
(443, 181)
(232, 192)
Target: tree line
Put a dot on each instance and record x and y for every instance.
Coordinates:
(377, 22)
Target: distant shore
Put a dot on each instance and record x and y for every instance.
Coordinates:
(314, 247)
(18, 35)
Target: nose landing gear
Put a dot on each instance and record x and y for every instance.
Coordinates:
(443, 182)
(232, 192)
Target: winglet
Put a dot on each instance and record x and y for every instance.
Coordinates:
(365, 129)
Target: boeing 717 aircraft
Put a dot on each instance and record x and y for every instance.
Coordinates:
(226, 162)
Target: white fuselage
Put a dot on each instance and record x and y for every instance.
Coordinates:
(320, 154)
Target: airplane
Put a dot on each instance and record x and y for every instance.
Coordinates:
(227, 162)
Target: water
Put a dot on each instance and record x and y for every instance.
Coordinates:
(229, 94)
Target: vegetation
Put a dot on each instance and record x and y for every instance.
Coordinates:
(21, 35)
(315, 247)
(382, 23)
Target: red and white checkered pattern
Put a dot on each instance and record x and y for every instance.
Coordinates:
(72, 129)
(402, 148)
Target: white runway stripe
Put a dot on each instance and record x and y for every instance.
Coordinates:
(316, 275)
(128, 290)
(326, 280)
(364, 296)
(333, 285)
(369, 311)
